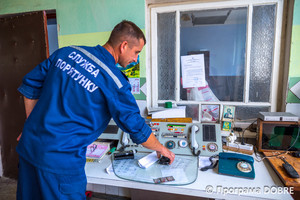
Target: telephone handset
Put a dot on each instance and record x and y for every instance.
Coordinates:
(235, 164)
(194, 143)
(236, 156)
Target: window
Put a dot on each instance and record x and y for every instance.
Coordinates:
(239, 42)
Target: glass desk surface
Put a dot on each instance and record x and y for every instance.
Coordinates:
(184, 170)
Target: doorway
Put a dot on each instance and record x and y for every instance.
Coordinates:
(23, 45)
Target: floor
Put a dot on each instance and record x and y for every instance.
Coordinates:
(8, 188)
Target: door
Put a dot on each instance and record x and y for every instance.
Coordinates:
(23, 45)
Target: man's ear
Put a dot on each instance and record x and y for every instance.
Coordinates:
(123, 46)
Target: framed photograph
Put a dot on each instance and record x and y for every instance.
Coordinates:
(228, 113)
(226, 126)
(210, 113)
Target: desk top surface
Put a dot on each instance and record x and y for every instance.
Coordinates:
(266, 184)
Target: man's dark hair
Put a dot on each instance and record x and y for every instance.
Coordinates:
(125, 31)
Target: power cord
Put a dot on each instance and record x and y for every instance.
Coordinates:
(243, 141)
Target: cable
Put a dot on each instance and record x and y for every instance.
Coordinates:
(212, 165)
(275, 155)
(243, 142)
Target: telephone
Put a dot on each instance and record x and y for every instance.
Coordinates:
(181, 138)
(235, 164)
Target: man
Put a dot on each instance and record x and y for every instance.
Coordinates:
(69, 100)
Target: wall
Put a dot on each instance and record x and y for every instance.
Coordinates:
(293, 102)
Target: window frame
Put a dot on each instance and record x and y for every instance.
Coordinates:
(151, 55)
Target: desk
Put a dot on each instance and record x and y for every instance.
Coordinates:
(265, 177)
(276, 163)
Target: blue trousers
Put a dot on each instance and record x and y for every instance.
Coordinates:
(37, 184)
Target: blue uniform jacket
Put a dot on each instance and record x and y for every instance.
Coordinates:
(78, 89)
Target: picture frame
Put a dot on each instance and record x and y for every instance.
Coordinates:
(226, 126)
(210, 113)
(228, 113)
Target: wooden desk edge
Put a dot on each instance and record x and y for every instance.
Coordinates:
(283, 177)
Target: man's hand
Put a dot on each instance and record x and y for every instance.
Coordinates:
(153, 144)
(167, 153)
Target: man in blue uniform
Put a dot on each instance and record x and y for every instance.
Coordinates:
(69, 100)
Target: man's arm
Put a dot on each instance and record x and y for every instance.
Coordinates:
(153, 144)
(29, 105)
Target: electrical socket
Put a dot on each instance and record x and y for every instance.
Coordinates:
(238, 145)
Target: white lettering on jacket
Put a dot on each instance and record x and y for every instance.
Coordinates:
(76, 75)
(89, 67)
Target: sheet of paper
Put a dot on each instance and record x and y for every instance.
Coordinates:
(193, 71)
(176, 169)
(109, 169)
(135, 85)
(148, 160)
(296, 89)
(125, 168)
(204, 161)
(178, 174)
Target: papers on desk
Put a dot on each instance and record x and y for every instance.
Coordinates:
(148, 160)
(160, 112)
(97, 150)
(145, 168)
(144, 162)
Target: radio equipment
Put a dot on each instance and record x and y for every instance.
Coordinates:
(278, 116)
(278, 136)
(181, 138)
